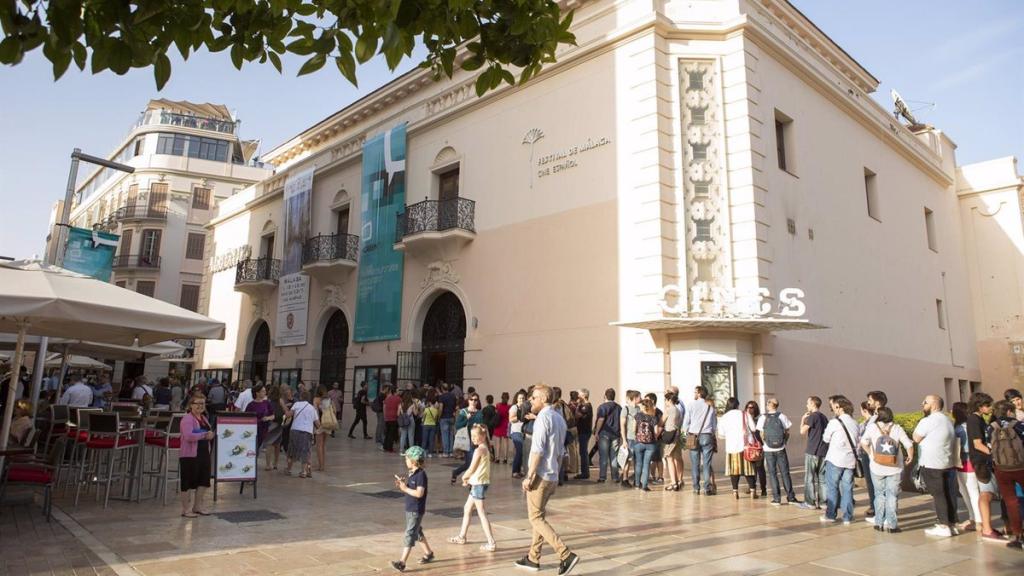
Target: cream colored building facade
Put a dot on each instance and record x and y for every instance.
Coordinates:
(993, 222)
(187, 159)
(700, 191)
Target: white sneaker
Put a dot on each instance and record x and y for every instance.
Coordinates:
(939, 531)
(869, 519)
(827, 520)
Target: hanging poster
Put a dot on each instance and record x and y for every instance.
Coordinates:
(236, 448)
(293, 286)
(381, 267)
(90, 252)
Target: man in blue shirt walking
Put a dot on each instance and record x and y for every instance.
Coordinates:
(546, 452)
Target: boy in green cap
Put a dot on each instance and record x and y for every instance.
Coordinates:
(415, 489)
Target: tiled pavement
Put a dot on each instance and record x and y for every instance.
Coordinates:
(338, 523)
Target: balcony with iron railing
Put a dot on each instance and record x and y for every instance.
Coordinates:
(136, 262)
(256, 276)
(326, 255)
(137, 212)
(436, 228)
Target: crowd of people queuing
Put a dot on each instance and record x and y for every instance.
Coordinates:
(974, 452)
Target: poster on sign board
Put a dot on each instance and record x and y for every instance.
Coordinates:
(236, 449)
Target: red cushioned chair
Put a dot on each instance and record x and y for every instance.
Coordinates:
(161, 440)
(106, 440)
(36, 474)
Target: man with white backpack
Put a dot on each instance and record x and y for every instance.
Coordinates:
(774, 428)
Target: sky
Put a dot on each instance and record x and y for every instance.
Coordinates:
(960, 65)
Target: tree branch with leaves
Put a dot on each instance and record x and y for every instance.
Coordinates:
(501, 37)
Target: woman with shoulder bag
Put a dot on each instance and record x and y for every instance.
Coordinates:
(670, 442)
(465, 420)
(735, 427)
(760, 474)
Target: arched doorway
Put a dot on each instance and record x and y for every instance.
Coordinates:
(444, 340)
(333, 349)
(259, 355)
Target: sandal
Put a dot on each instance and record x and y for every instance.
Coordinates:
(457, 540)
(488, 547)
(427, 559)
(201, 512)
(189, 515)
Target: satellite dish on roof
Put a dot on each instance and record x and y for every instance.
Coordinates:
(900, 108)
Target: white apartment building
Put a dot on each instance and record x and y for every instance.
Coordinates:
(698, 192)
(187, 159)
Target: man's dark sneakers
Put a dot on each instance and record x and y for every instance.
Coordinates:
(568, 564)
(398, 565)
(527, 564)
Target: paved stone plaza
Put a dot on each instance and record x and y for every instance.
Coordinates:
(339, 522)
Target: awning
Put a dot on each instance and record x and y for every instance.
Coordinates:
(760, 325)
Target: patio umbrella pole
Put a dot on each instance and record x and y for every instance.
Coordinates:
(12, 392)
(63, 370)
(37, 377)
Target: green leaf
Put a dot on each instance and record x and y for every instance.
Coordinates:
(10, 50)
(347, 65)
(79, 53)
(275, 60)
(472, 63)
(366, 45)
(313, 64)
(483, 82)
(60, 64)
(301, 47)
(161, 70)
(236, 56)
(120, 57)
(306, 10)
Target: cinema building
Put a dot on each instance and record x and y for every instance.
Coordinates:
(699, 192)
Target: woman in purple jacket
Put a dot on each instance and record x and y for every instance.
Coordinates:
(194, 457)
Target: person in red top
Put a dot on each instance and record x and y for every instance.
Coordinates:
(502, 443)
(392, 404)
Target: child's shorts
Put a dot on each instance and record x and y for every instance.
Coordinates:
(413, 529)
(477, 491)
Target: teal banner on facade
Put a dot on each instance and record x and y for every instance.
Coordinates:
(381, 267)
(90, 252)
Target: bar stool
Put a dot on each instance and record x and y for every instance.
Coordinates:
(58, 424)
(36, 473)
(106, 440)
(77, 434)
(168, 439)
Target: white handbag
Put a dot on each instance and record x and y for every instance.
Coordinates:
(462, 439)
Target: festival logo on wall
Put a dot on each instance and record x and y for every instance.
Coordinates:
(90, 252)
(293, 286)
(381, 267)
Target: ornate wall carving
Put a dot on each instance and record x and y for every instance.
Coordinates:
(440, 271)
(334, 296)
(451, 98)
(706, 200)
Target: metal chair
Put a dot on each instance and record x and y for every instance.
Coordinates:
(106, 440)
(58, 423)
(77, 434)
(36, 474)
(167, 439)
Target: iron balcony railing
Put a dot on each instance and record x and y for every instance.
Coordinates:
(257, 270)
(141, 212)
(328, 248)
(137, 261)
(436, 216)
